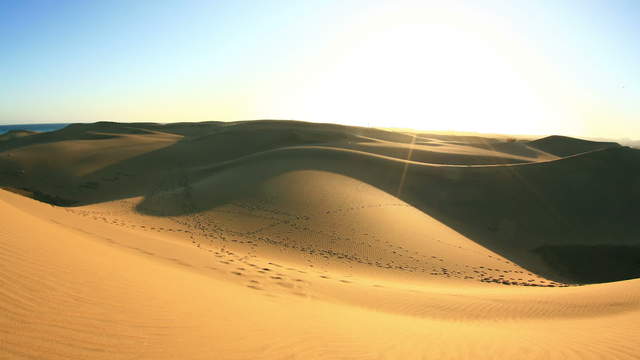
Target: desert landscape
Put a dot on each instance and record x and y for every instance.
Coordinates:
(296, 240)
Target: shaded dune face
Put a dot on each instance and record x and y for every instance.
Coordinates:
(566, 146)
(511, 198)
(334, 217)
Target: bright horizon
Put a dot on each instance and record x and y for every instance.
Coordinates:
(545, 67)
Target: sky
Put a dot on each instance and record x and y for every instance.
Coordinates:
(516, 67)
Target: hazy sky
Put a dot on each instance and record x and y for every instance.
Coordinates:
(539, 67)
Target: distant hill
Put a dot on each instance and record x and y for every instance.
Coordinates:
(14, 134)
(567, 146)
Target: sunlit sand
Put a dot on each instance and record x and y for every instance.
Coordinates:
(292, 240)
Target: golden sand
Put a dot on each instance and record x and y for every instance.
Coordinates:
(287, 240)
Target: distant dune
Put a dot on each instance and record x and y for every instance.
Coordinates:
(566, 146)
(14, 134)
(281, 239)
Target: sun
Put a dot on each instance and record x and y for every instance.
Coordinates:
(424, 76)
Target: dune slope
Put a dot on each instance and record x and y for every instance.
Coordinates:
(95, 290)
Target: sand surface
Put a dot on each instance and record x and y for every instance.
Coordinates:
(288, 240)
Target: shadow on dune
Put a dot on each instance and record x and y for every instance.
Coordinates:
(523, 212)
(566, 146)
(584, 263)
(512, 210)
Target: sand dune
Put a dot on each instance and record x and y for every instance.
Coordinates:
(277, 239)
(566, 146)
(15, 134)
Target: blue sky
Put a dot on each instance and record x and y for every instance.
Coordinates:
(541, 67)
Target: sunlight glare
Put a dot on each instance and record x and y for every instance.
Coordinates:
(434, 76)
